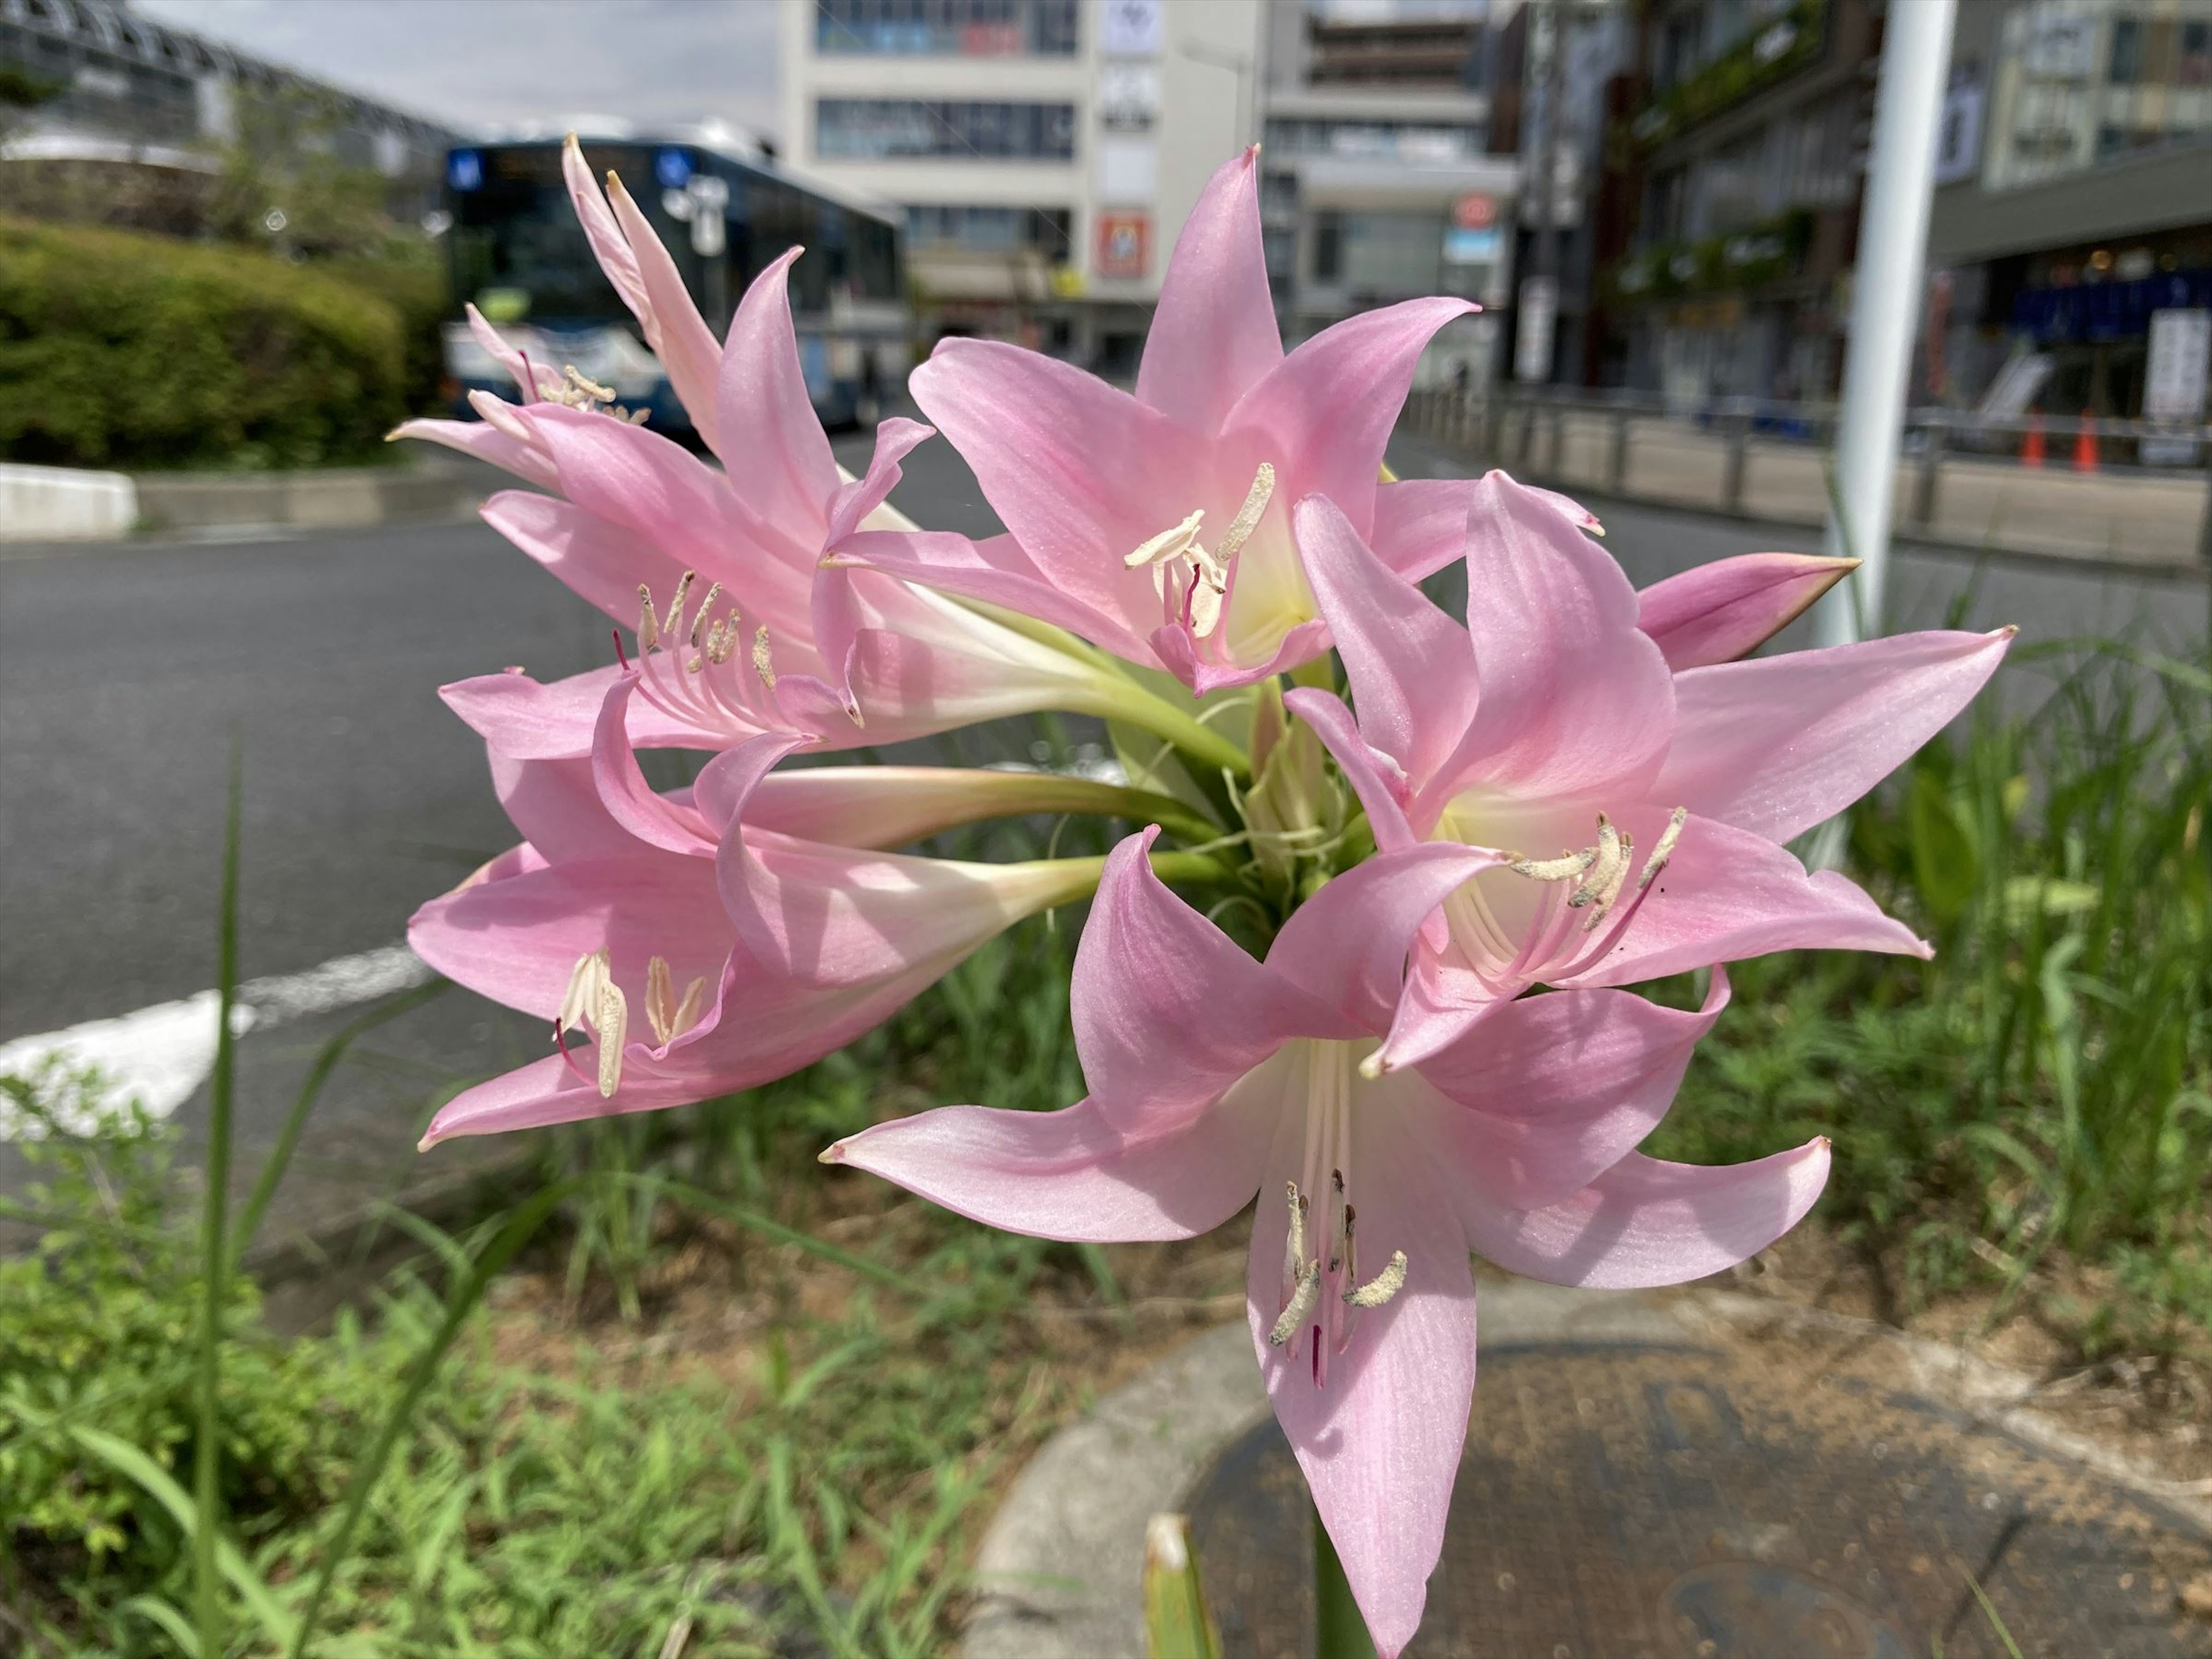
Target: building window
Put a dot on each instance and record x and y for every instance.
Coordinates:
(2193, 64)
(1328, 246)
(2126, 65)
(877, 129)
(1003, 230)
(970, 28)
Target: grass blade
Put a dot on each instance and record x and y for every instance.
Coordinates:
(287, 1140)
(520, 1224)
(158, 1484)
(214, 1258)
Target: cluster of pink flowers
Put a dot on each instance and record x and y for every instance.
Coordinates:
(1582, 787)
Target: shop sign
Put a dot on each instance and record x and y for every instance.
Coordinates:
(2174, 380)
(1124, 245)
(1475, 211)
(1132, 28)
(1128, 97)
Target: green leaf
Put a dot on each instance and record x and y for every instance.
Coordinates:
(1176, 1625)
(128, 1461)
(1943, 862)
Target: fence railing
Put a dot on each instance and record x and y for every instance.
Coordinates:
(2135, 492)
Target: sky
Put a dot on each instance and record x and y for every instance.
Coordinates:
(472, 63)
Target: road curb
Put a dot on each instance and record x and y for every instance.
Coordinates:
(430, 488)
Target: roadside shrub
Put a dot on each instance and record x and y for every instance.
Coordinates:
(121, 350)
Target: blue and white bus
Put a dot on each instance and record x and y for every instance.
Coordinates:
(724, 210)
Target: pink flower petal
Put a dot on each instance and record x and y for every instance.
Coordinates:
(625, 797)
(1167, 1009)
(1325, 414)
(1420, 525)
(1178, 652)
(594, 558)
(780, 463)
(673, 503)
(1780, 744)
(839, 917)
(1412, 677)
(1380, 1439)
(1559, 1088)
(1081, 474)
(1347, 944)
(1212, 335)
(1645, 1222)
(1376, 778)
(1074, 1174)
(1729, 894)
(608, 246)
(994, 570)
(1728, 609)
(556, 807)
(679, 336)
(530, 721)
(517, 941)
(1574, 701)
(486, 443)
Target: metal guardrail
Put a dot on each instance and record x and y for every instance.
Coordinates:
(1591, 439)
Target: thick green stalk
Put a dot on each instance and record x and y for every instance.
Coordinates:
(1338, 1631)
(1133, 705)
(214, 1259)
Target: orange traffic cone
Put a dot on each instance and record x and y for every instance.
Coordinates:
(2084, 444)
(2031, 447)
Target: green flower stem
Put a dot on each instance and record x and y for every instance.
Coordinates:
(1187, 733)
(1119, 697)
(1006, 794)
(1338, 1631)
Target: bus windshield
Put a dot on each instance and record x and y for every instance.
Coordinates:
(520, 254)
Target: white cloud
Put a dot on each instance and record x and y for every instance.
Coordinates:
(470, 63)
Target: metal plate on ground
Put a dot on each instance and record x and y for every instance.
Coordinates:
(1631, 1502)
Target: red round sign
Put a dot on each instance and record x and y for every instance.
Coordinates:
(1475, 212)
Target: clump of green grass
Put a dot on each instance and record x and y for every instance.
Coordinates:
(2042, 1089)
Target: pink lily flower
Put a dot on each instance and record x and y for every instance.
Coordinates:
(752, 920)
(752, 607)
(1553, 724)
(1213, 1076)
(1157, 525)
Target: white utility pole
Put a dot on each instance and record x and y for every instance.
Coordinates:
(1908, 110)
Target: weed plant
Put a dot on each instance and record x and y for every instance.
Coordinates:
(2044, 1084)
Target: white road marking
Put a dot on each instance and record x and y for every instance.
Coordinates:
(161, 1054)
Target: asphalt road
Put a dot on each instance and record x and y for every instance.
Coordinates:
(125, 672)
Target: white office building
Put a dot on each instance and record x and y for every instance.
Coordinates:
(1046, 151)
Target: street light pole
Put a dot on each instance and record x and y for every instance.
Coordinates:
(1915, 57)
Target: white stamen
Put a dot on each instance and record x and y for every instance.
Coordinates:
(1568, 867)
(1384, 1285)
(763, 664)
(1665, 849)
(669, 1018)
(649, 625)
(1168, 544)
(673, 627)
(1301, 1304)
(706, 610)
(594, 1003)
(1605, 866)
(1248, 516)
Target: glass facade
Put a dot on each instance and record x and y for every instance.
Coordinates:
(954, 228)
(880, 129)
(968, 28)
(2078, 87)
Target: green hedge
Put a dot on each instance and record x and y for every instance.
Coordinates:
(120, 349)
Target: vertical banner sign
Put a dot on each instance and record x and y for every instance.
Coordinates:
(1124, 245)
(1532, 344)
(2174, 383)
